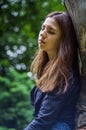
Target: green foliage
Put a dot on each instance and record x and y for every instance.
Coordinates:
(20, 22)
(15, 108)
(4, 128)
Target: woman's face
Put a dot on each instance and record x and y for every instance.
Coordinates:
(49, 36)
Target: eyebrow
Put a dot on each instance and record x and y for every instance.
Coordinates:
(49, 27)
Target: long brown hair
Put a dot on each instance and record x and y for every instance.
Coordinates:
(51, 74)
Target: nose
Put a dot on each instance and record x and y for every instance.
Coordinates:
(43, 33)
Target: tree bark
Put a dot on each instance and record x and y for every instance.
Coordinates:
(77, 11)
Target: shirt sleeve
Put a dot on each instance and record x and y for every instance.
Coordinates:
(50, 110)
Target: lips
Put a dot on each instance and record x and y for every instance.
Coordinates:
(41, 41)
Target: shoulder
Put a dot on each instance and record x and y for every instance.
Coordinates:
(74, 84)
(36, 95)
(73, 87)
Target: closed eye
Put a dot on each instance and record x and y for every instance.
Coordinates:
(51, 32)
(49, 29)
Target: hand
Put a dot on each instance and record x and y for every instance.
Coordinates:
(82, 128)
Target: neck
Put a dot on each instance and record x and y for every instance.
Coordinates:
(51, 55)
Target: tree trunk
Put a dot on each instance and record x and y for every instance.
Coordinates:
(77, 11)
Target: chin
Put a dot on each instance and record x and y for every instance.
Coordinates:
(42, 48)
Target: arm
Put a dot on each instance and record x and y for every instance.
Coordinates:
(47, 114)
(51, 108)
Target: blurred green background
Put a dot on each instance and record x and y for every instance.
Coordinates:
(20, 22)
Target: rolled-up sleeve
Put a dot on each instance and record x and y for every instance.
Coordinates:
(50, 109)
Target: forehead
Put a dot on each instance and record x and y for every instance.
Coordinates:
(50, 22)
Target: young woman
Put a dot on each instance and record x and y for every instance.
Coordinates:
(56, 68)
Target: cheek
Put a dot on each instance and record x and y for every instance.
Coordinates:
(57, 40)
(54, 43)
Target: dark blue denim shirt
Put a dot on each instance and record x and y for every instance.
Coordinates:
(53, 107)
